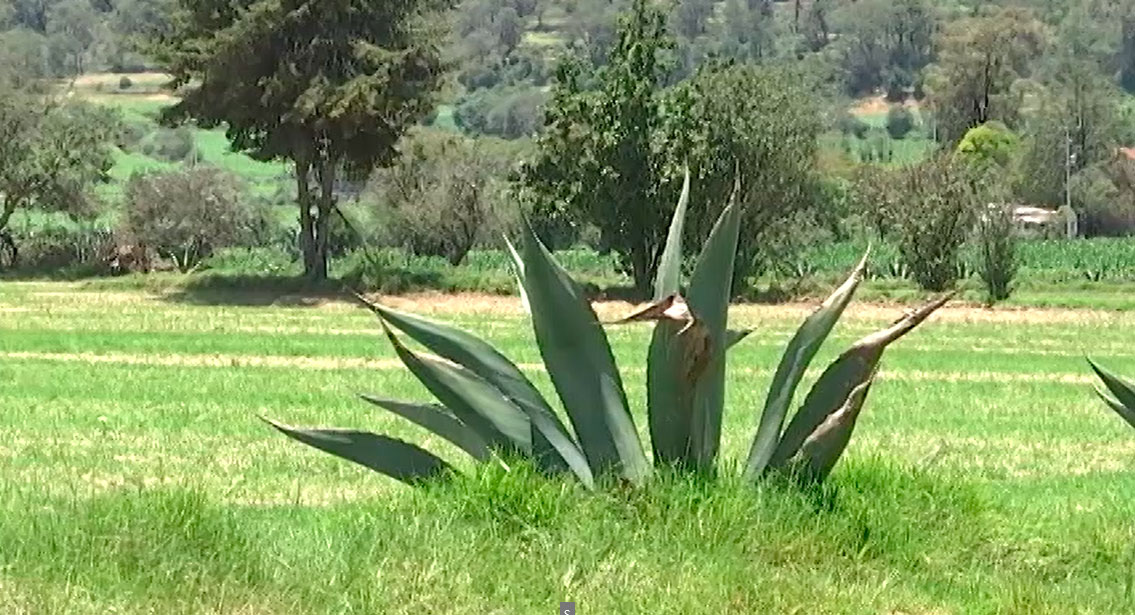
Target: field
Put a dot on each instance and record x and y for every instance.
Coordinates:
(135, 476)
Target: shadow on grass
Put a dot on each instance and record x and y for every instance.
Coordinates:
(255, 291)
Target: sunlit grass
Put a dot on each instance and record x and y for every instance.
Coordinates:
(983, 477)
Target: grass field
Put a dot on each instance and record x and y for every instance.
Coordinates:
(136, 478)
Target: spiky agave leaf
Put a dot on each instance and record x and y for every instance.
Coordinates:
(669, 397)
(580, 363)
(793, 363)
(823, 448)
(475, 402)
(711, 287)
(853, 368)
(553, 448)
(440, 421)
(385, 455)
(1122, 389)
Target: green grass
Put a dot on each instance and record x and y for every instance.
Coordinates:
(136, 478)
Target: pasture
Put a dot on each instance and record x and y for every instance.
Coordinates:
(135, 477)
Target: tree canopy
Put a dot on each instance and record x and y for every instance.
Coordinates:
(329, 86)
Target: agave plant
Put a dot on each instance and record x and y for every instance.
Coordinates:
(490, 410)
(1120, 393)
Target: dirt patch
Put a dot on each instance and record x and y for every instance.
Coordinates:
(93, 79)
(437, 303)
(877, 105)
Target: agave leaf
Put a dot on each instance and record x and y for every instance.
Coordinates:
(679, 353)
(711, 287)
(853, 368)
(1127, 413)
(669, 398)
(579, 360)
(552, 445)
(475, 402)
(1123, 390)
(823, 448)
(669, 277)
(439, 421)
(733, 336)
(793, 363)
(390, 456)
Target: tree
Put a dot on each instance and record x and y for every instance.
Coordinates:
(900, 121)
(746, 31)
(597, 164)
(24, 62)
(757, 126)
(980, 61)
(329, 86)
(989, 146)
(51, 154)
(185, 214)
(71, 26)
(884, 43)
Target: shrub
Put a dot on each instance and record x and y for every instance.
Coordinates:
(57, 242)
(491, 411)
(186, 214)
(1104, 197)
(900, 121)
(851, 124)
(929, 206)
(170, 144)
(998, 261)
(439, 195)
(509, 113)
(125, 83)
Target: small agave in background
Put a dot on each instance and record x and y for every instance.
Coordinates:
(490, 410)
(1120, 393)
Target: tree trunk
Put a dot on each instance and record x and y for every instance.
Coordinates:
(6, 214)
(324, 208)
(307, 222)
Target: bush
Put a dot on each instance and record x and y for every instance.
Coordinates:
(186, 214)
(998, 261)
(57, 242)
(170, 144)
(125, 83)
(900, 121)
(509, 113)
(850, 124)
(441, 193)
(929, 207)
(1104, 197)
(253, 261)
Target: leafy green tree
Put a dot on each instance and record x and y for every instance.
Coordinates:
(508, 112)
(746, 31)
(51, 154)
(24, 62)
(980, 62)
(597, 163)
(989, 146)
(757, 126)
(71, 31)
(930, 208)
(329, 86)
(884, 43)
(900, 121)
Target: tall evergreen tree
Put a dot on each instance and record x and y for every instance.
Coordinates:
(328, 85)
